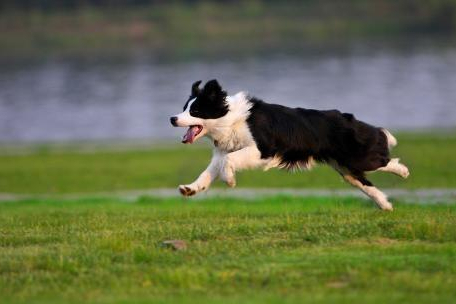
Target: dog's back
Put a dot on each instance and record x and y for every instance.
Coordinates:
(326, 136)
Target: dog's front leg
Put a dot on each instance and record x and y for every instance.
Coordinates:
(246, 158)
(205, 179)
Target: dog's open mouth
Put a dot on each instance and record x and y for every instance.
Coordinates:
(192, 132)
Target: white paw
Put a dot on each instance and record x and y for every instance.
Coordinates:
(400, 169)
(187, 190)
(386, 206)
(231, 182)
(404, 171)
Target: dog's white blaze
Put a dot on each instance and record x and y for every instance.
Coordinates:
(184, 119)
(189, 104)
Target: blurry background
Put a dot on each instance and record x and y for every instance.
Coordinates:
(78, 70)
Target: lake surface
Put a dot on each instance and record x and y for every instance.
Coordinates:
(133, 97)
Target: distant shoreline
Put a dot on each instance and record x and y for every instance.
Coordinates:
(184, 29)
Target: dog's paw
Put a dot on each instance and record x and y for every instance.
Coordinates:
(404, 172)
(386, 206)
(186, 190)
(401, 169)
(231, 183)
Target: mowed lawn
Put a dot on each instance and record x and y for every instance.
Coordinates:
(430, 157)
(279, 249)
(274, 250)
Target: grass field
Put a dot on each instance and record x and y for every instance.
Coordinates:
(275, 250)
(280, 249)
(430, 157)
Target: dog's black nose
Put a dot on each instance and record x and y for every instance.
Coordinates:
(173, 121)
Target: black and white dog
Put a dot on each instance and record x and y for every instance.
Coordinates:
(249, 133)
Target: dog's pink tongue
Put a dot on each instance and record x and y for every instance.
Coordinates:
(190, 135)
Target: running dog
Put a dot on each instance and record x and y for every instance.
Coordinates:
(250, 133)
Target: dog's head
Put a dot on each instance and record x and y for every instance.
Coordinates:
(202, 107)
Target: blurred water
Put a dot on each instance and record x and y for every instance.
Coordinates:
(132, 98)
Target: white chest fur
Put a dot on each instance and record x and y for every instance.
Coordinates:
(231, 132)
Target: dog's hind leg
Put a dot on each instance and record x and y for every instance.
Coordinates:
(394, 166)
(368, 188)
(360, 182)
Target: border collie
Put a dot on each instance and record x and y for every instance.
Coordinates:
(250, 133)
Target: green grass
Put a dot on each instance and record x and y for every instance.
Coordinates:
(430, 157)
(275, 250)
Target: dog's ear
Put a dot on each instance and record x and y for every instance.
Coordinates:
(213, 90)
(195, 88)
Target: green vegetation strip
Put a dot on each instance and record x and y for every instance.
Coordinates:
(251, 26)
(430, 157)
(275, 250)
